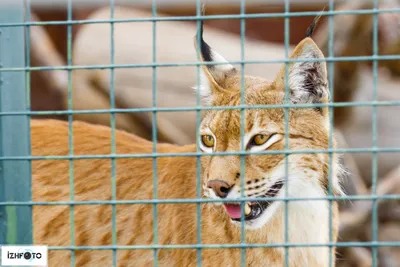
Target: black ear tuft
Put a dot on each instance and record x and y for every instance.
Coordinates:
(205, 49)
(311, 28)
(214, 75)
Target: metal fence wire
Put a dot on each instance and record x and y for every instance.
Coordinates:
(15, 171)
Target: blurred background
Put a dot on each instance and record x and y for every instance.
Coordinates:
(264, 29)
(351, 81)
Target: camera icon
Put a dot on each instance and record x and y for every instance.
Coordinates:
(27, 254)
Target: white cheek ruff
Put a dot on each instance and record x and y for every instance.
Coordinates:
(298, 186)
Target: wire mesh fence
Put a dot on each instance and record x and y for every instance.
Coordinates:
(16, 201)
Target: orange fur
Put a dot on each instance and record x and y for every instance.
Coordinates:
(176, 178)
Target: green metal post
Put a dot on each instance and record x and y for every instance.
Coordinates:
(15, 178)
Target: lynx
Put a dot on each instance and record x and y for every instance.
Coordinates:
(176, 224)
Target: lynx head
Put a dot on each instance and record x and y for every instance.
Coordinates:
(264, 130)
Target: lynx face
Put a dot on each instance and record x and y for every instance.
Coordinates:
(264, 130)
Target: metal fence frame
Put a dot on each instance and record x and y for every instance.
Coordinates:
(15, 182)
(15, 201)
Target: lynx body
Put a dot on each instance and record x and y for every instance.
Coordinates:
(220, 178)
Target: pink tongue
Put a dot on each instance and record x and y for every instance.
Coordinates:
(233, 210)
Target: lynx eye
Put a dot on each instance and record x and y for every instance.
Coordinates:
(260, 139)
(207, 140)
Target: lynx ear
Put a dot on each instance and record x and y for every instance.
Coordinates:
(213, 76)
(307, 78)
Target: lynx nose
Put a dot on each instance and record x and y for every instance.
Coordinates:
(221, 188)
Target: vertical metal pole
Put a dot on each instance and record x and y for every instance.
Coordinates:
(15, 178)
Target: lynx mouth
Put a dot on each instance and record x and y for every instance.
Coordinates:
(254, 209)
